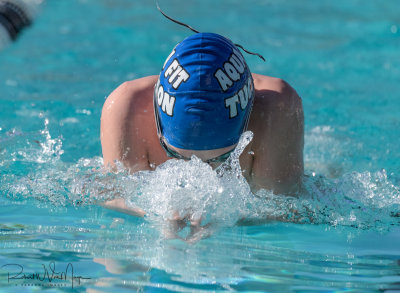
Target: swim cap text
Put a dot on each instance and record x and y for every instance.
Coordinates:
(231, 71)
(165, 100)
(176, 73)
(242, 98)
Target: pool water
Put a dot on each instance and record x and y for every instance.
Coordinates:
(342, 234)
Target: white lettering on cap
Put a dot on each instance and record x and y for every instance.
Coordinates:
(232, 70)
(224, 81)
(237, 61)
(232, 104)
(242, 98)
(165, 101)
(176, 73)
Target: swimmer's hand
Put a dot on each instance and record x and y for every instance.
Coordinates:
(178, 223)
(119, 205)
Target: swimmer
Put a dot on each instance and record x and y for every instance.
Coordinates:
(202, 101)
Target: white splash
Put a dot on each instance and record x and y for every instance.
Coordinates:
(194, 191)
(191, 190)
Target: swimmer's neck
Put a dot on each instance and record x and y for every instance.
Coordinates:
(203, 155)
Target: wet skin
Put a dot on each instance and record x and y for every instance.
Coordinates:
(273, 160)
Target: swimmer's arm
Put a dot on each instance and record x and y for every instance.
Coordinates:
(120, 133)
(109, 197)
(119, 205)
(279, 137)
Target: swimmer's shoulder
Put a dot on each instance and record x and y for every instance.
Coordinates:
(127, 124)
(274, 91)
(135, 89)
(263, 82)
(133, 94)
(141, 84)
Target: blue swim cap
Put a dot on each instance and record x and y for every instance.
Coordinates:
(204, 94)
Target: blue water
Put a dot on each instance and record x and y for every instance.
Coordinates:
(341, 235)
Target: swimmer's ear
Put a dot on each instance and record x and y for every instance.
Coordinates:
(196, 31)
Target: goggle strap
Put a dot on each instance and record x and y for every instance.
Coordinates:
(196, 31)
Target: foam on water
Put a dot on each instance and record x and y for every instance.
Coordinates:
(32, 168)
